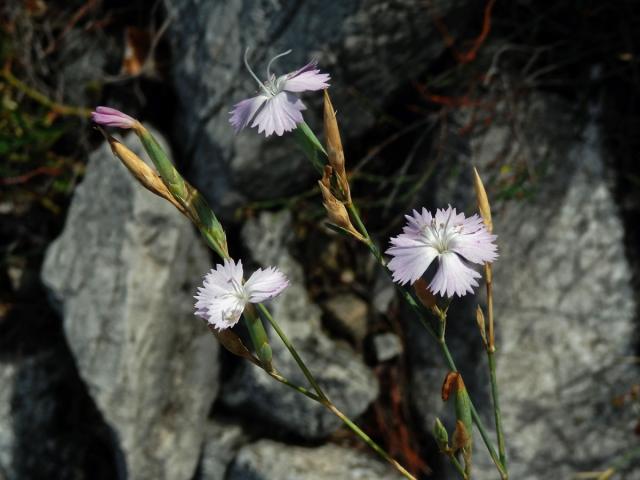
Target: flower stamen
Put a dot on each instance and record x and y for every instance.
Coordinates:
(255, 77)
(269, 75)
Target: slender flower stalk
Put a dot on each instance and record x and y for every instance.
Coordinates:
(458, 466)
(485, 212)
(324, 399)
(422, 315)
(224, 297)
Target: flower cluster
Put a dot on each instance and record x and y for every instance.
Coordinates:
(277, 109)
(452, 239)
(223, 295)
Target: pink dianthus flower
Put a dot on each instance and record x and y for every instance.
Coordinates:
(277, 109)
(223, 296)
(448, 237)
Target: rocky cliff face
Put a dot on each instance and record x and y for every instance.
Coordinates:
(564, 306)
(371, 48)
(162, 401)
(123, 273)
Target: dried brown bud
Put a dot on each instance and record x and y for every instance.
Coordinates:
(483, 200)
(335, 152)
(336, 210)
(449, 381)
(142, 172)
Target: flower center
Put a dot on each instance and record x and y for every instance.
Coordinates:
(239, 291)
(441, 235)
(273, 85)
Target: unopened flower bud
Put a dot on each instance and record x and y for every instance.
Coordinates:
(110, 117)
(335, 152)
(142, 172)
(441, 436)
(483, 200)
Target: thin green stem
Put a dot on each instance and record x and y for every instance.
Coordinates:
(368, 440)
(496, 407)
(490, 347)
(458, 466)
(476, 418)
(276, 375)
(353, 211)
(324, 399)
(443, 325)
(287, 343)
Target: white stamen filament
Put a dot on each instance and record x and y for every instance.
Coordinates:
(440, 235)
(255, 77)
(240, 291)
(274, 59)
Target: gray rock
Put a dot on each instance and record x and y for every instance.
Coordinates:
(564, 306)
(222, 441)
(372, 48)
(49, 428)
(83, 62)
(7, 436)
(68, 65)
(349, 315)
(124, 271)
(268, 460)
(383, 293)
(387, 346)
(348, 382)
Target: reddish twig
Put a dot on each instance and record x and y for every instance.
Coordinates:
(25, 177)
(471, 54)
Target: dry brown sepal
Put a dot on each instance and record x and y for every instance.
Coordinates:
(336, 210)
(423, 293)
(335, 152)
(461, 437)
(461, 441)
(483, 200)
(142, 172)
(233, 344)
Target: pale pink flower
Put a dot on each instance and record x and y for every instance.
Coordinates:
(449, 237)
(277, 109)
(223, 295)
(110, 117)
